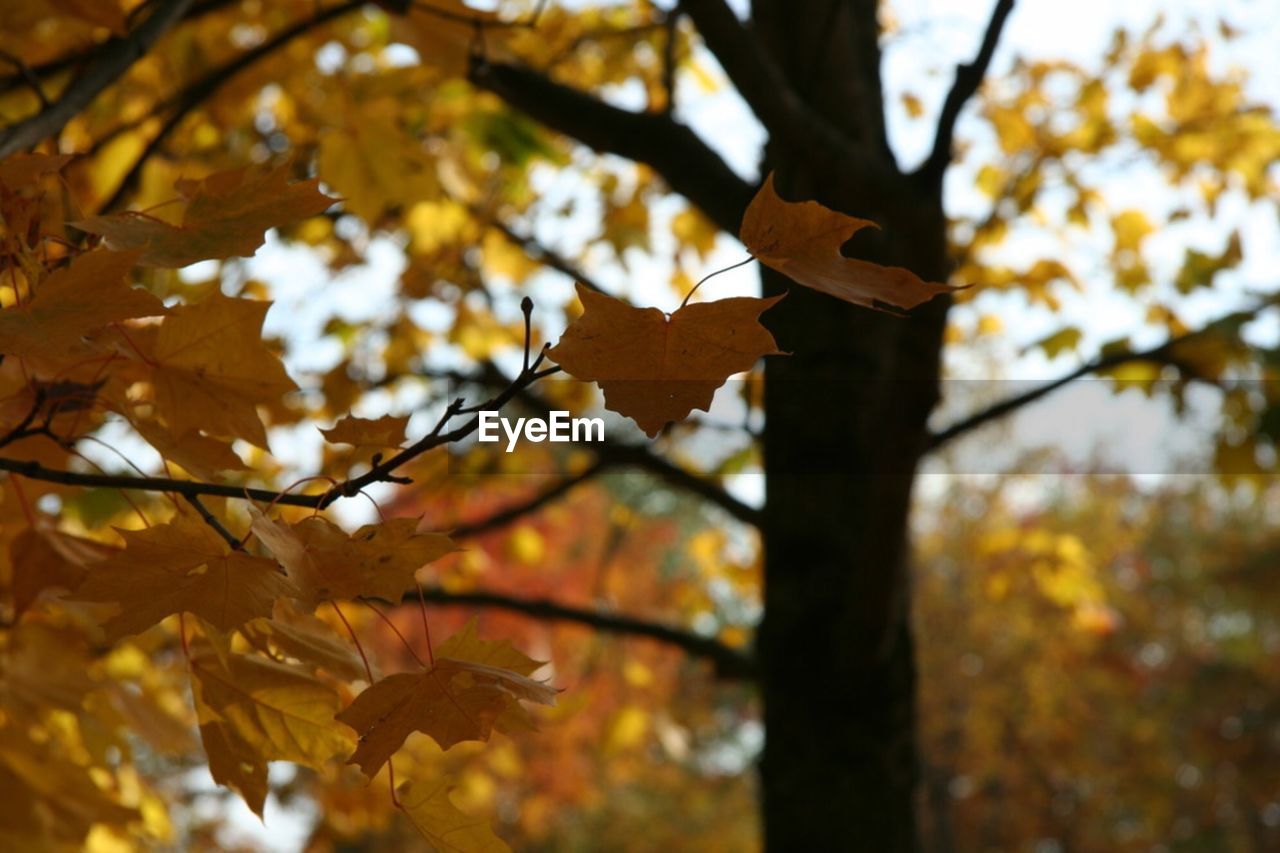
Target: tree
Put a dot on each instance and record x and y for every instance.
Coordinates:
(445, 126)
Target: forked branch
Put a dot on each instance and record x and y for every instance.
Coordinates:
(969, 77)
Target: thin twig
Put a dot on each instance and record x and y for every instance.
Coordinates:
(729, 662)
(969, 77)
(212, 520)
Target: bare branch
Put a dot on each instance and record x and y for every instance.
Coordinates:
(112, 60)
(771, 97)
(1165, 353)
(729, 662)
(212, 520)
(969, 77)
(530, 506)
(541, 253)
(687, 164)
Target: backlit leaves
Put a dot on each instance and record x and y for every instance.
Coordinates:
(227, 214)
(444, 825)
(657, 368)
(802, 240)
(387, 431)
(473, 687)
(183, 566)
(378, 560)
(211, 370)
(89, 293)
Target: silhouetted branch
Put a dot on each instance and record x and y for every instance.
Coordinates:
(112, 60)
(687, 164)
(1165, 353)
(530, 506)
(729, 662)
(212, 520)
(770, 95)
(969, 77)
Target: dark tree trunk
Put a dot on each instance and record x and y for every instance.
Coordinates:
(846, 426)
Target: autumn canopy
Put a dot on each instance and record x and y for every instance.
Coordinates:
(265, 266)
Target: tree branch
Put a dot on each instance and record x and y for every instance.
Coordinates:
(200, 91)
(615, 453)
(541, 253)
(112, 60)
(687, 164)
(212, 520)
(1163, 354)
(380, 472)
(770, 96)
(530, 506)
(729, 662)
(969, 77)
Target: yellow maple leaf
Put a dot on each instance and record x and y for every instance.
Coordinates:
(473, 687)
(82, 297)
(227, 215)
(182, 566)
(211, 370)
(386, 431)
(326, 564)
(444, 825)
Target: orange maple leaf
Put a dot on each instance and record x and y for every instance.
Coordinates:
(386, 431)
(227, 215)
(656, 368)
(89, 293)
(473, 687)
(802, 240)
(182, 566)
(45, 558)
(326, 564)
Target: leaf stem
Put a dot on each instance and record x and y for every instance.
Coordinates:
(741, 263)
(368, 670)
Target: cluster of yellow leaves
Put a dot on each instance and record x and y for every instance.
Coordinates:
(80, 341)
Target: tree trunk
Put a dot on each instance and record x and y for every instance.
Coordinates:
(846, 426)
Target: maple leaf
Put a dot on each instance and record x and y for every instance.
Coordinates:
(278, 711)
(22, 170)
(802, 240)
(473, 686)
(234, 764)
(227, 215)
(49, 559)
(211, 369)
(182, 566)
(307, 639)
(378, 560)
(199, 454)
(89, 293)
(386, 431)
(656, 368)
(444, 825)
